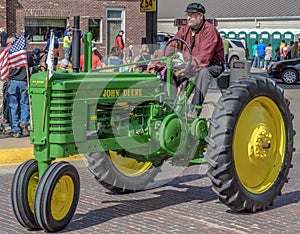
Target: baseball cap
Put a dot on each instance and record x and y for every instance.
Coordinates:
(195, 7)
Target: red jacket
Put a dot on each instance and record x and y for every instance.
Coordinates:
(119, 42)
(208, 46)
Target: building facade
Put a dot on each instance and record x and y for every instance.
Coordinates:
(103, 18)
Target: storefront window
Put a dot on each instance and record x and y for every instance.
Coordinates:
(38, 29)
(95, 28)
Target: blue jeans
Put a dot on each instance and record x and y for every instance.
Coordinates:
(18, 104)
(254, 61)
(261, 61)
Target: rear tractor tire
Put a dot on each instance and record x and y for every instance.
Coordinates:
(250, 144)
(121, 174)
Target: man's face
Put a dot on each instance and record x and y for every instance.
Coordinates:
(194, 19)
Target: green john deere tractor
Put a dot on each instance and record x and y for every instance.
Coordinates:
(128, 124)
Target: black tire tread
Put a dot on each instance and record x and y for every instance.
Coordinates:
(100, 164)
(220, 160)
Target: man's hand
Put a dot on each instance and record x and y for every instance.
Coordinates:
(182, 73)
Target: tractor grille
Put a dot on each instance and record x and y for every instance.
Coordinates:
(61, 107)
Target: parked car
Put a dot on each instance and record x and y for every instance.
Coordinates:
(236, 51)
(161, 36)
(287, 70)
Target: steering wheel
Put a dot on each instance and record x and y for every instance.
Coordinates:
(180, 59)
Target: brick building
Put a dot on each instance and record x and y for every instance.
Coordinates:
(104, 18)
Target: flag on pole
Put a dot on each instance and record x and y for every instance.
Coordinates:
(50, 56)
(13, 56)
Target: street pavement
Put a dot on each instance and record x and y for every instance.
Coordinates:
(185, 203)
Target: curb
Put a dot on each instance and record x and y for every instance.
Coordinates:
(17, 156)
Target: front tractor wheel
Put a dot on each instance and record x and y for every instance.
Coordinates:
(57, 196)
(121, 174)
(23, 189)
(250, 144)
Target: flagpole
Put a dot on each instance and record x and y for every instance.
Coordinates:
(29, 99)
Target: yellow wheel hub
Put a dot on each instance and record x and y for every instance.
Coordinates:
(62, 197)
(32, 184)
(129, 166)
(259, 145)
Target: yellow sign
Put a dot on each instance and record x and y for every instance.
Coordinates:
(147, 5)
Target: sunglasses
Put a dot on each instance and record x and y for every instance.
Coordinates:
(192, 15)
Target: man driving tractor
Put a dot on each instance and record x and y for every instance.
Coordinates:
(207, 51)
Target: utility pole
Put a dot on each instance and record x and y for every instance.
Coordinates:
(150, 7)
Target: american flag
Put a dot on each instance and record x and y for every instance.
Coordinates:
(13, 56)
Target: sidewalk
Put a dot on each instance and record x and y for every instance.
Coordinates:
(14, 151)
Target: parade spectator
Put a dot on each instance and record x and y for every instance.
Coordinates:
(261, 54)
(289, 48)
(254, 55)
(244, 45)
(226, 51)
(56, 55)
(295, 49)
(120, 42)
(282, 45)
(114, 58)
(3, 38)
(277, 53)
(268, 56)
(18, 102)
(63, 64)
(142, 56)
(66, 45)
(96, 63)
(207, 51)
(130, 54)
(67, 30)
(284, 52)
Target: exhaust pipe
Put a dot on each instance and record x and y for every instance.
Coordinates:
(76, 45)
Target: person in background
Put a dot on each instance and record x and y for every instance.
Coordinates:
(295, 49)
(142, 56)
(282, 45)
(66, 45)
(18, 102)
(120, 42)
(244, 45)
(289, 53)
(114, 58)
(96, 63)
(67, 30)
(130, 54)
(3, 38)
(56, 55)
(277, 53)
(284, 52)
(63, 64)
(254, 55)
(226, 51)
(268, 56)
(261, 54)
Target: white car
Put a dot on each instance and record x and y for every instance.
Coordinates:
(236, 50)
(161, 36)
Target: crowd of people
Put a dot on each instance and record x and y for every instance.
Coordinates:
(262, 54)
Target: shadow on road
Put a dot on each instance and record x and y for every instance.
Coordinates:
(163, 199)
